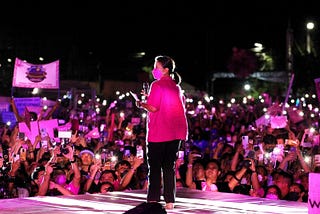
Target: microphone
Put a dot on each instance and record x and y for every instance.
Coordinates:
(145, 87)
(145, 90)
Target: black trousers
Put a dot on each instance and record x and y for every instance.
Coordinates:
(161, 158)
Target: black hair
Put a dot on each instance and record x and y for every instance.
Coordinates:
(110, 189)
(263, 168)
(143, 168)
(168, 62)
(275, 187)
(287, 176)
(199, 161)
(216, 161)
(122, 162)
(270, 139)
(106, 171)
(35, 173)
(301, 187)
(195, 148)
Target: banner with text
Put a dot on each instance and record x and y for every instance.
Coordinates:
(27, 75)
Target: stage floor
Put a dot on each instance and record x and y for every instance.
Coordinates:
(187, 201)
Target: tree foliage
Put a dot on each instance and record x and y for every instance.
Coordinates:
(242, 62)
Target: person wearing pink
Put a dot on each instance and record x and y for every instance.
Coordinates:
(166, 128)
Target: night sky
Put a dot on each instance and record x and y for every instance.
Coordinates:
(199, 35)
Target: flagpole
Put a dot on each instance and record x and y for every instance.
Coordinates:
(288, 92)
(12, 88)
(58, 94)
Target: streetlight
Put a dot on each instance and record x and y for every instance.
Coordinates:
(258, 47)
(310, 26)
(247, 87)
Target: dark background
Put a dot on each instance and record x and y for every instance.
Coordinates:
(95, 39)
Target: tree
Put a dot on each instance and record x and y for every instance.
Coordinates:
(242, 62)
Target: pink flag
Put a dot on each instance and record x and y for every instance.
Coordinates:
(27, 75)
(94, 133)
(295, 115)
(27, 117)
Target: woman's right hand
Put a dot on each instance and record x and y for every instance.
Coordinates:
(191, 158)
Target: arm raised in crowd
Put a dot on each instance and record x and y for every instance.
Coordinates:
(94, 168)
(236, 179)
(76, 171)
(45, 180)
(137, 161)
(235, 159)
(303, 164)
(189, 174)
(217, 150)
(15, 111)
(75, 180)
(53, 109)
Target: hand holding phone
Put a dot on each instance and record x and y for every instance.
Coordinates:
(16, 157)
(44, 143)
(139, 152)
(23, 154)
(181, 155)
(21, 135)
(127, 153)
(245, 141)
(43, 133)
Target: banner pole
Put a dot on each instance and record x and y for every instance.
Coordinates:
(12, 88)
(288, 92)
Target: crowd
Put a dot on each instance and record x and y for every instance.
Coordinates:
(226, 152)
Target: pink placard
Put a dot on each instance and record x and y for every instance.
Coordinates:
(30, 133)
(49, 126)
(35, 126)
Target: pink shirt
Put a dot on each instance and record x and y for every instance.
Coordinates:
(72, 188)
(169, 121)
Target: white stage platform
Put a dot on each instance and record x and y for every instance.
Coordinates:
(187, 201)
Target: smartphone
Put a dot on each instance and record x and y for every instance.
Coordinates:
(21, 135)
(16, 157)
(102, 126)
(97, 156)
(23, 153)
(43, 133)
(245, 142)
(44, 143)
(53, 142)
(127, 153)
(139, 152)
(55, 132)
(181, 155)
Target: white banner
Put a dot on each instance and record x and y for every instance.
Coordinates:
(27, 75)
